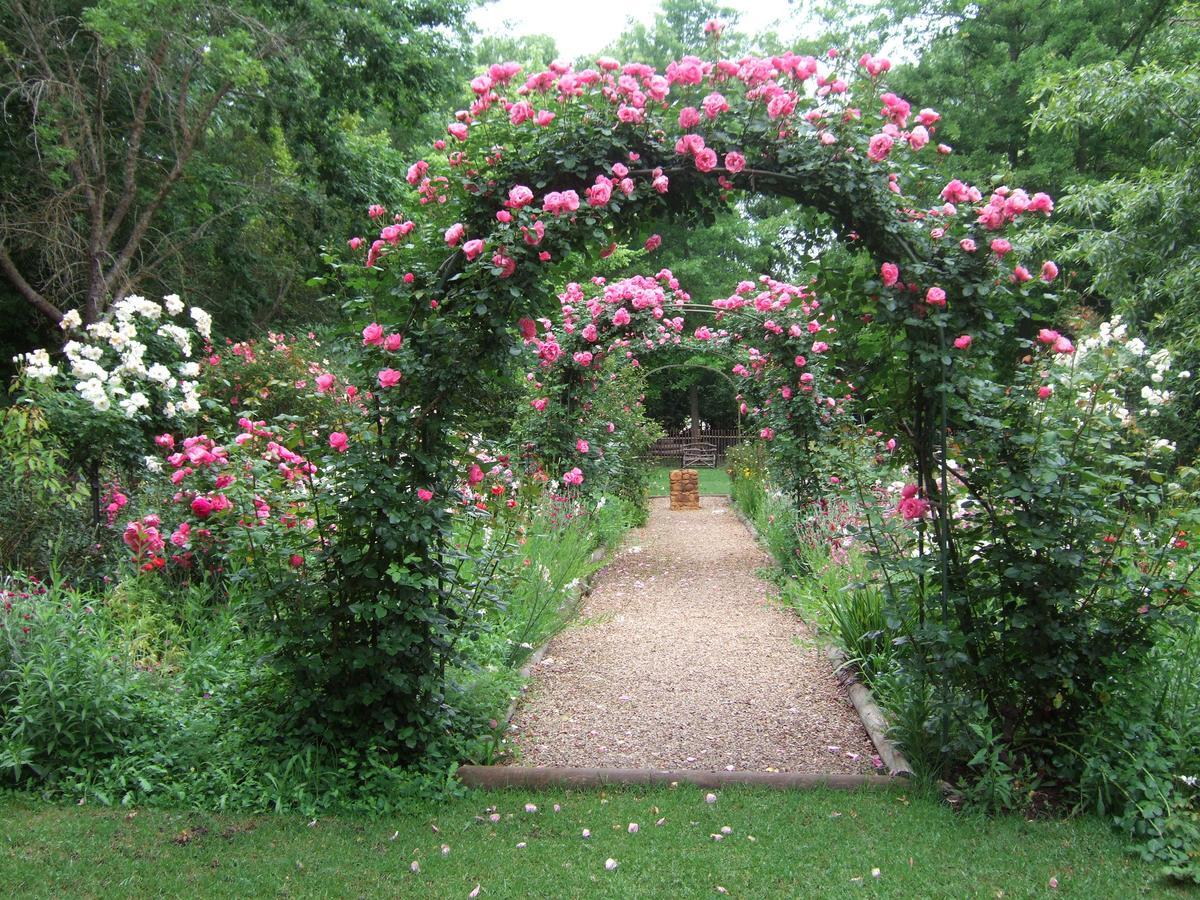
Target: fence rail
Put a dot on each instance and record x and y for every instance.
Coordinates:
(670, 448)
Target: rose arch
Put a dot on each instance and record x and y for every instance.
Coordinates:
(544, 169)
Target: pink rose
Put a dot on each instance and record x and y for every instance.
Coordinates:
(962, 342)
(582, 446)
(355, 243)
(324, 383)
(1000, 246)
(890, 273)
(202, 507)
(1044, 392)
(879, 148)
(475, 475)
(388, 378)
(424, 495)
(935, 296)
(520, 196)
(455, 233)
(706, 159)
(458, 130)
(473, 248)
(575, 476)
(653, 242)
(1020, 275)
(393, 342)
(968, 245)
(372, 335)
(539, 404)
(621, 317)
(1049, 271)
(1048, 335)
(689, 116)
(734, 162)
(339, 441)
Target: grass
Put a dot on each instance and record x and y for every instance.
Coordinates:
(782, 844)
(712, 481)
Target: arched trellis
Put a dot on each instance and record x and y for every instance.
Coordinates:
(572, 162)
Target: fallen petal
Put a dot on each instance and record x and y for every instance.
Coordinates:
(633, 828)
(415, 867)
(610, 864)
(710, 798)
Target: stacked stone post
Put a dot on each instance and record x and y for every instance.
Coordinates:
(685, 489)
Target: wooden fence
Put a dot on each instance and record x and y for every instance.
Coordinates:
(669, 448)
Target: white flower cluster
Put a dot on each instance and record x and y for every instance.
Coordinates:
(110, 367)
(36, 365)
(1138, 363)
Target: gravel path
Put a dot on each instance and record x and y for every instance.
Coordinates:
(680, 659)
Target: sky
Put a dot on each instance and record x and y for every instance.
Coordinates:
(580, 27)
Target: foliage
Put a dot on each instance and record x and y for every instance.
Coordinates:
(42, 509)
(151, 142)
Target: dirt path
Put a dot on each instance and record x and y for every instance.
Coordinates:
(680, 659)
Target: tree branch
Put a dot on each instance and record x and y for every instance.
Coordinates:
(26, 290)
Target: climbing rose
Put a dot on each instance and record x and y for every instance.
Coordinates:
(1000, 246)
(935, 296)
(1048, 335)
(1049, 271)
(520, 196)
(455, 233)
(962, 342)
(539, 404)
(372, 335)
(457, 130)
(967, 245)
(689, 116)
(890, 273)
(528, 327)
(1044, 392)
(1021, 274)
(734, 162)
(324, 383)
(339, 441)
(473, 248)
(653, 242)
(706, 159)
(393, 342)
(582, 446)
(879, 148)
(621, 317)
(575, 476)
(388, 378)
(424, 495)
(474, 475)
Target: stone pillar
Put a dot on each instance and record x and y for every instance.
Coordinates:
(685, 489)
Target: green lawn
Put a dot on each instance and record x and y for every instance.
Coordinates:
(712, 481)
(780, 844)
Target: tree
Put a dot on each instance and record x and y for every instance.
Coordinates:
(146, 137)
(982, 63)
(1136, 234)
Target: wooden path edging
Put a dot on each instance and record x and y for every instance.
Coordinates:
(873, 719)
(503, 777)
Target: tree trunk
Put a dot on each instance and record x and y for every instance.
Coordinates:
(694, 407)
